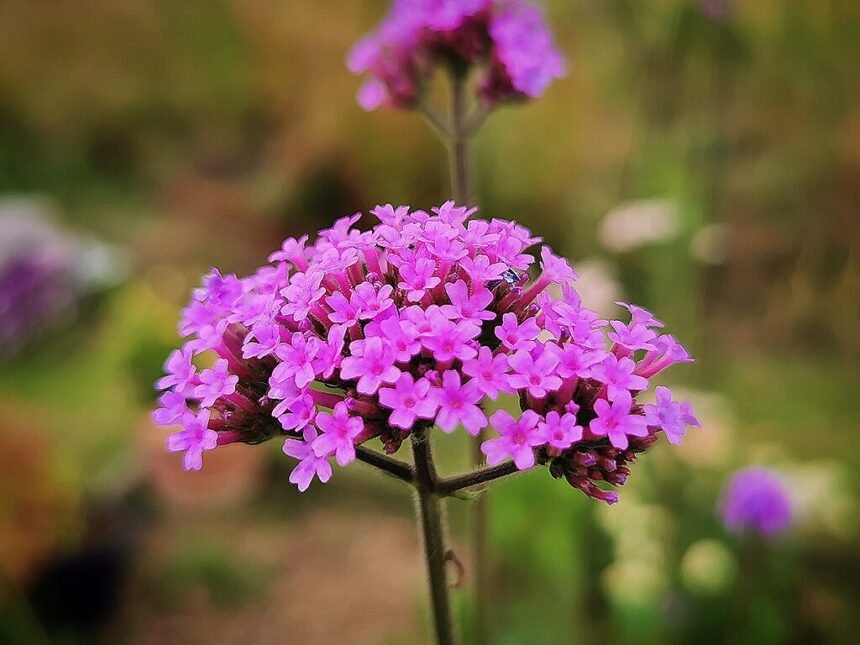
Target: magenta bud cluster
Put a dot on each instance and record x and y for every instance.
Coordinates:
(412, 324)
(508, 39)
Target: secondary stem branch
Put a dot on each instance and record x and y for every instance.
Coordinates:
(475, 478)
(393, 467)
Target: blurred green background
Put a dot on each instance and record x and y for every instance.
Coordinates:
(700, 162)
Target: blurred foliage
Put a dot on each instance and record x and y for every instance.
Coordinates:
(202, 132)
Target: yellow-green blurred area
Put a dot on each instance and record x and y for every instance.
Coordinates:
(705, 165)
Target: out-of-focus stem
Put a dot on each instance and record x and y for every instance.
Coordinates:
(432, 528)
(458, 143)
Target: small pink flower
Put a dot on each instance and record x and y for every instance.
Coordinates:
(418, 278)
(298, 356)
(458, 403)
(339, 433)
(535, 375)
(300, 412)
(303, 291)
(262, 341)
(488, 372)
(617, 375)
(449, 340)
(372, 363)
(560, 431)
(517, 440)
(215, 383)
(309, 465)
(173, 409)
(370, 301)
(194, 438)
(670, 416)
(516, 336)
(181, 373)
(409, 400)
(615, 420)
(466, 306)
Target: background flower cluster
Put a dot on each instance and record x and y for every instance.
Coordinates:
(509, 38)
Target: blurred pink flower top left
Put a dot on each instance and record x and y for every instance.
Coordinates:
(508, 39)
(416, 323)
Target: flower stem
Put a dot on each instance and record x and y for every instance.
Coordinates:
(456, 134)
(480, 531)
(432, 527)
(458, 144)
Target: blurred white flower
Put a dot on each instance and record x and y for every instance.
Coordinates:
(711, 445)
(597, 286)
(635, 582)
(639, 223)
(824, 501)
(709, 244)
(708, 567)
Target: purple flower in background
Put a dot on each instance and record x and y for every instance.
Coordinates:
(756, 500)
(507, 39)
(415, 323)
(524, 60)
(717, 10)
(44, 272)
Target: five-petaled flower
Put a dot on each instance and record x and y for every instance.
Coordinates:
(518, 439)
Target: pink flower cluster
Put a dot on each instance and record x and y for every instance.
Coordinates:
(415, 323)
(509, 38)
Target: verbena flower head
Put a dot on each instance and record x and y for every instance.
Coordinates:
(415, 323)
(756, 500)
(507, 38)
